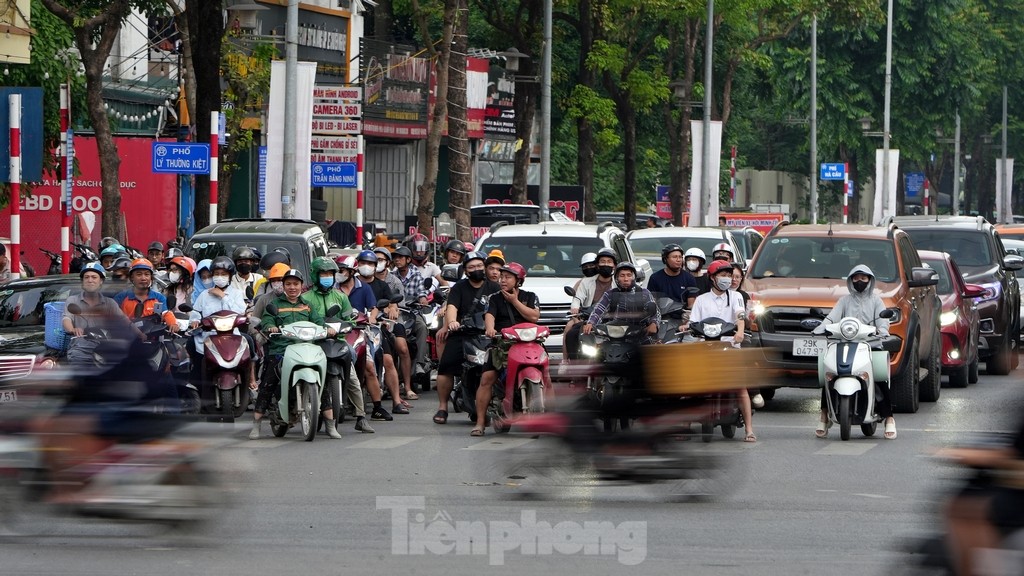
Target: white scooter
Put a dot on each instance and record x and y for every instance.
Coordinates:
(856, 360)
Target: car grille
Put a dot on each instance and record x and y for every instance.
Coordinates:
(787, 319)
(14, 367)
(553, 316)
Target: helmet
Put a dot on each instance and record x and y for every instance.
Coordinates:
(455, 246)
(93, 267)
(470, 246)
(114, 250)
(381, 251)
(322, 264)
(722, 247)
(271, 258)
(174, 253)
(368, 256)
(419, 246)
(696, 253)
(223, 263)
(186, 264)
(624, 265)
(277, 271)
(283, 250)
(516, 269)
(609, 253)
(403, 251)
(141, 264)
(474, 255)
(293, 273)
(243, 253)
(588, 258)
(668, 249)
(346, 262)
(155, 245)
(495, 256)
(121, 263)
(108, 241)
(717, 266)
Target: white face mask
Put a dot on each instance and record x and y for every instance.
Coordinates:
(692, 265)
(341, 277)
(723, 283)
(221, 281)
(366, 269)
(173, 277)
(277, 287)
(381, 266)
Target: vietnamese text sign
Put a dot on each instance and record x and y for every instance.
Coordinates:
(337, 110)
(334, 149)
(833, 171)
(341, 174)
(914, 183)
(181, 158)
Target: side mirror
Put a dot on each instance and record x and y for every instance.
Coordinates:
(1013, 262)
(397, 299)
(451, 272)
(641, 265)
(428, 283)
(383, 303)
(887, 314)
(272, 308)
(650, 308)
(185, 308)
(333, 311)
(973, 291)
(922, 276)
(74, 309)
(570, 291)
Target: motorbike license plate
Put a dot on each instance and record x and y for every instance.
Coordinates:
(808, 346)
(8, 396)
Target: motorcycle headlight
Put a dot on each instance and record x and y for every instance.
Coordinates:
(756, 308)
(526, 334)
(712, 330)
(588, 350)
(947, 318)
(849, 329)
(225, 323)
(617, 331)
(305, 333)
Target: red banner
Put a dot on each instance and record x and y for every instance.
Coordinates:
(148, 203)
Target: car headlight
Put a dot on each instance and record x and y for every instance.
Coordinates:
(588, 350)
(756, 308)
(947, 318)
(849, 329)
(992, 291)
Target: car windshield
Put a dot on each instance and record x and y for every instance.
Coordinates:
(966, 247)
(23, 305)
(546, 256)
(650, 248)
(824, 257)
(202, 249)
(945, 285)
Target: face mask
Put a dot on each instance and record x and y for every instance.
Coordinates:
(277, 287)
(692, 265)
(221, 281)
(860, 286)
(476, 275)
(326, 283)
(589, 272)
(381, 266)
(605, 271)
(208, 283)
(723, 283)
(243, 269)
(173, 277)
(341, 277)
(366, 269)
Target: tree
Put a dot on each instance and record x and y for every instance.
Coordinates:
(459, 164)
(206, 28)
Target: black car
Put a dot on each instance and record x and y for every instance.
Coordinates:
(304, 239)
(974, 245)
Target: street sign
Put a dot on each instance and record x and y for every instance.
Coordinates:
(914, 184)
(341, 174)
(181, 158)
(833, 171)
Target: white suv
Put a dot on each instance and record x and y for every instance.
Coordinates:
(551, 254)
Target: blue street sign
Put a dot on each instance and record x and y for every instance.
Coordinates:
(833, 171)
(341, 174)
(181, 158)
(914, 183)
(261, 180)
(69, 177)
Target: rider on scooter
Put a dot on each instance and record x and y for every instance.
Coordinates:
(863, 304)
(222, 296)
(507, 307)
(97, 311)
(589, 291)
(627, 301)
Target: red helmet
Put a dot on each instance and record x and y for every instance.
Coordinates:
(516, 269)
(717, 266)
(347, 262)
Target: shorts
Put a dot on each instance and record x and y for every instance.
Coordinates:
(398, 329)
(450, 363)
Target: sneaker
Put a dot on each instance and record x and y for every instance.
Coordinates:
(363, 426)
(382, 414)
(399, 409)
(254, 434)
(563, 369)
(757, 401)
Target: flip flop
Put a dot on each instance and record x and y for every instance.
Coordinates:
(477, 432)
(750, 438)
(410, 395)
(890, 428)
(441, 417)
(822, 430)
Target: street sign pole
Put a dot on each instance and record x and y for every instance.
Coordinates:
(214, 141)
(846, 193)
(14, 109)
(64, 182)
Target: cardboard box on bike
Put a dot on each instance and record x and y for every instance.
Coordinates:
(689, 368)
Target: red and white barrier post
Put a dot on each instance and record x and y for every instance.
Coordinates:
(926, 199)
(64, 185)
(846, 193)
(214, 164)
(14, 257)
(732, 179)
(359, 189)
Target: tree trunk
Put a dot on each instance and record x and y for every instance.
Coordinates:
(427, 190)
(584, 130)
(186, 72)
(525, 105)
(461, 193)
(680, 180)
(206, 28)
(627, 116)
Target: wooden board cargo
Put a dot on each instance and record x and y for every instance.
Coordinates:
(702, 368)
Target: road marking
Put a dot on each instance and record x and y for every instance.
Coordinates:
(499, 444)
(385, 442)
(847, 449)
(879, 496)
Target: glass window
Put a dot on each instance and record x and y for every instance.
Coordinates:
(201, 250)
(909, 256)
(945, 285)
(825, 257)
(545, 256)
(967, 247)
(650, 248)
(23, 306)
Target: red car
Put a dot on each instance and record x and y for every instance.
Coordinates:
(959, 319)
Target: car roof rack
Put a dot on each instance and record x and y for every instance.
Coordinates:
(295, 220)
(497, 225)
(604, 226)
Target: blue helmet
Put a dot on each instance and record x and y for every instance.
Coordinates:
(93, 267)
(367, 256)
(113, 250)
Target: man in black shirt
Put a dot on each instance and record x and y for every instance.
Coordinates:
(507, 307)
(467, 298)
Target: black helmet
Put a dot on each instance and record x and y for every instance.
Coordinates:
(243, 253)
(223, 263)
(275, 257)
(668, 249)
(293, 273)
(121, 263)
(456, 246)
(174, 253)
(609, 253)
(155, 245)
(403, 251)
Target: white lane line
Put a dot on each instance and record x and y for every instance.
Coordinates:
(879, 496)
(499, 444)
(847, 448)
(385, 442)
(810, 428)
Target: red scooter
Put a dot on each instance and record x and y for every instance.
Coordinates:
(226, 363)
(525, 375)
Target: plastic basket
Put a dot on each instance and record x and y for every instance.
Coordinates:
(55, 336)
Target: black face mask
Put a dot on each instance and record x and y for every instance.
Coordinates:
(476, 275)
(589, 272)
(243, 268)
(605, 271)
(860, 286)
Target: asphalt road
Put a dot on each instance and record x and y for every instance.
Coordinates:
(366, 503)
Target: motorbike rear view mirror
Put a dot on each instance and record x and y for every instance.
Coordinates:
(887, 314)
(428, 283)
(333, 311)
(249, 294)
(185, 308)
(650, 308)
(450, 272)
(383, 303)
(570, 291)
(272, 309)
(397, 299)
(74, 309)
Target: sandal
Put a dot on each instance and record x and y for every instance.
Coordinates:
(890, 428)
(822, 430)
(410, 395)
(477, 432)
(750, 438)
(441, 417)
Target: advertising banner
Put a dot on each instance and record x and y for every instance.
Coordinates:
(396, 83)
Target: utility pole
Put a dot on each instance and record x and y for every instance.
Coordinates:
(705, 176)
(291, 79)
(814, 121)
(544, 195)
(886, 209)
(955, 200)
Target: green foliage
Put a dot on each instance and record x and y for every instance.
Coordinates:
(245, 66)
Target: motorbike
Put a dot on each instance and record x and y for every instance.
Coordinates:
(475, 345)
(83, 255)
(855, 363)
(303, 374)
(613, 348)
(55, 262)
(339, 358)
(365, 342)
(525, 375)
(723, 407)
(226, 359)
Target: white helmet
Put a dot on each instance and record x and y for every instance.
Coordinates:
(723, 247)
(588, 258)
(696, 253)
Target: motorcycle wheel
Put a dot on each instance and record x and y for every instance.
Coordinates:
(227, 402)
(869, 429)
(535, 397)
(707, 431)
(729, 431)
(279, 430)
(190, 402)
(844, 417)
(310, 416)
